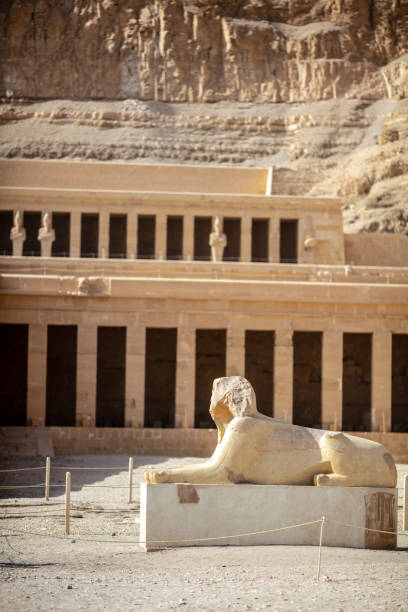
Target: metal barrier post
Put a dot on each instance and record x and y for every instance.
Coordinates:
(67, 502)
(130, 479)
(47, 478)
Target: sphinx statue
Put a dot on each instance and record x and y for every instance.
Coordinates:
(253, 448)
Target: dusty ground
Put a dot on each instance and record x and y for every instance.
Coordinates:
(99, 566)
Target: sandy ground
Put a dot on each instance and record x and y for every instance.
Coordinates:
(100, 566)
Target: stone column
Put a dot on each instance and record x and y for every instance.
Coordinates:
(246, 231)
(37, 374)
(332, 379)
(274, 255)
(188, 237)
(103, 239)
(135, 375)
(381, 381)
(185, 377)
(132, 235)
(75, 234)
(161, 238)
(235, 351)
(86, 374)
(283, 375)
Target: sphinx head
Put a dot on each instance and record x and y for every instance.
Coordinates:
(232, 396)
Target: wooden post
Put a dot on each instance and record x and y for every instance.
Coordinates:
(67, 502)
(47, 478)
(322, 518)
(405, 521)
(130, 479)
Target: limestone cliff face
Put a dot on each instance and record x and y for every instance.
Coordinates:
(204, 50)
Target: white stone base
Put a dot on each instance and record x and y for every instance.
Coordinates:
(185, 515)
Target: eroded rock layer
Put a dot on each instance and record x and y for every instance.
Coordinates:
(204, 50)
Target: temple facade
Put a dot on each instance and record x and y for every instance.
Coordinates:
(126, 289)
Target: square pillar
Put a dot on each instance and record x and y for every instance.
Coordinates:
(283, 375)
(274, 255)
(235, 365)
(332, 380)
(161, 238)
(188, 237)
(103, 242)
(75, 234)
(246, 242)
(86, 374)
(185, 377)
(135, 375)
(381, 381)
(131, 240)
(37, 374)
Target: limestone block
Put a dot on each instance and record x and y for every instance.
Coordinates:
(190, 515)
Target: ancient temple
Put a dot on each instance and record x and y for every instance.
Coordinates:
(116, 315)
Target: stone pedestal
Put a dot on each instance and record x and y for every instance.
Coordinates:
(214, 515)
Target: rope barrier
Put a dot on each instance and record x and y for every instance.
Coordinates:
(169, 542)
(368, 528)
(40, 467)
(62, 485)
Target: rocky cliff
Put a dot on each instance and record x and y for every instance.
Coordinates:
(204, 50)
(316, 88)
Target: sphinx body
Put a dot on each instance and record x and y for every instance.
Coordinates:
(254, 448)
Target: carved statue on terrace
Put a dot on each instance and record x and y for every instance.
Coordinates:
(46, 236)
(218, 241)
(254, 448)
(17, 234)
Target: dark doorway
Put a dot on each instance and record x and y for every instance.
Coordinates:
(89, 235)
(232, 229)
(400, 382)
(110, 385)
(61, 375)
(288, 241)
(13, 374)
(259, 353)
(357, 382)
(117, 235)
(202, 231)
(174, 238)
(32, 224)
(61, 225)
(146, 230)
(259, 242)
(6, 223)
(160, 377)
(307, 379)
(210, 364)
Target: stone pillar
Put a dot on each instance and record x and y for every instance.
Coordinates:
(246, 242)
(86, 374)
(132, 235)
(185, 377)
(188, 237)
(161, 238)
(75, 234)
(135, 375)
(235, 365)
(103, 239)
(381, 381)
(37, 374)
(274, 255)
(283, 375)
(332, 380)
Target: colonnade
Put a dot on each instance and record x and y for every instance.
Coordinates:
(331, 385)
